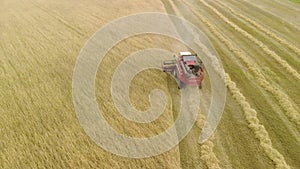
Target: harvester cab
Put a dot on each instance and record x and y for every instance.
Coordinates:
(186, 68)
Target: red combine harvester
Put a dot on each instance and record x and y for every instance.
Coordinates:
(186, 68)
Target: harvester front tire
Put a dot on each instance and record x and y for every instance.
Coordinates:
(174, 73)
(180, 85)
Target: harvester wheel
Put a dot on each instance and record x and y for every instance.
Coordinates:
(174, 73)
(180, 85)
(200, 86)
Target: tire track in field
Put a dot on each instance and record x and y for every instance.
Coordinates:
(268, 19)
(261, 28)
(254, 124)
(9, 79)
(25, 44)
(258, 129)
(288, 4)
(278, 13)
(260, 44)
(59, 19)
(18, 74)
(251, 116)
(283, 100)
(13, 77)
(207, 153)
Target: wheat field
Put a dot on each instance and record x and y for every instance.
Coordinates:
(258, 43)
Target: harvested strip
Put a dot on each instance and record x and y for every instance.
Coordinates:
(207, 153)
(259, 130)
(260, 44)
(260, 27)
(285, 15)
(281, 97)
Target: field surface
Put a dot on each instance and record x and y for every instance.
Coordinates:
(258, 42)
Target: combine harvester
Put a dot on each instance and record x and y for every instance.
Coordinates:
(187, 69)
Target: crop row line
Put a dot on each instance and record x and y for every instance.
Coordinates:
(259, 130)
(260, 44)
(59, 19)
(261, 28)
(267, 11)
(281, 97)
(250, 113)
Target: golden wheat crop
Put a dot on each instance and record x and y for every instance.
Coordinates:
(39, 46)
